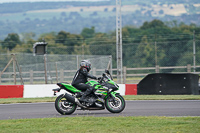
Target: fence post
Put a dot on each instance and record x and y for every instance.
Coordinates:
(111, 64)
(194, 52)
(61, 75)
(189, 68)
(157, 68)
(14, 69)
(31, 76)
(56, 72)
(45, 68)
(124, 75)
(156, 57)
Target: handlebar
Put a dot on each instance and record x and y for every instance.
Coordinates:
(104, 75)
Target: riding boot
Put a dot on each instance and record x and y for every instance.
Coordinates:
(79, 94)
(87, 92)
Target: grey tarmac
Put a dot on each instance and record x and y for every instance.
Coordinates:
(174, 108)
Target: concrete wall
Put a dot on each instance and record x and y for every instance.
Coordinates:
(33, 91)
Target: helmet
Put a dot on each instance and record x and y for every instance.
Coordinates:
(86, 64)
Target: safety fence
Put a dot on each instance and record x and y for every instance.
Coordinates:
(144, 54)
(139, 59)
(29, 69)
(130, 75)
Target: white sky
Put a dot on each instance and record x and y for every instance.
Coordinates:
(8, 1)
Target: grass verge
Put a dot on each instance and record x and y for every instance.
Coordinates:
(152, 124)
(127, 97)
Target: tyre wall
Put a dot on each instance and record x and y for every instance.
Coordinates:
(169, 84)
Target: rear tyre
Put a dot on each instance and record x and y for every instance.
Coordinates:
(63, 106)
(116, 105)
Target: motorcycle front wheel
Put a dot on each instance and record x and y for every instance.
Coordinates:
(115, 105)
(63, 106)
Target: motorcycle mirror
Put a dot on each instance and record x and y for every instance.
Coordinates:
(106, 71)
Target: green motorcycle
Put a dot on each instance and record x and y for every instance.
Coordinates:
(104, 95)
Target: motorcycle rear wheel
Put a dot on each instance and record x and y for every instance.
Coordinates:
(63, 106)
(115, 106)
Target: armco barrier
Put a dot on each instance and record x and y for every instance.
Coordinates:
(11, 91)
(33, 91)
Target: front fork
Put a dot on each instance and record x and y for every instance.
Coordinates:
(113, 96)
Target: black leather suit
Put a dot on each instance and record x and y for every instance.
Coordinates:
(80, 79)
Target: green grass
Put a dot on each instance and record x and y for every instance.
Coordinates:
(119, 124)
(127, 97)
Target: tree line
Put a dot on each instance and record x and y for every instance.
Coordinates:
(138, 43)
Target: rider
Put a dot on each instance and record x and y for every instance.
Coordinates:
(80, 79)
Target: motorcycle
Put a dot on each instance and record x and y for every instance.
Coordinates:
(104, 95)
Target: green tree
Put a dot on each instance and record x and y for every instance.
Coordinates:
(88, 32)
(69, 40)
(61, 37)
(153, 24)
(84, 49)
(23, 48)
(11, 41)
(2, 50)
(145, 54)
(100, 44)
(53, 47)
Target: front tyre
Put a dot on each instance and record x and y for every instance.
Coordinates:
(63, 106)
(115, 105)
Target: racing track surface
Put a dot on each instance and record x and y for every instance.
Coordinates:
(133, 108)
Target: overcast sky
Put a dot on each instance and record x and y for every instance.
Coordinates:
(8, 1)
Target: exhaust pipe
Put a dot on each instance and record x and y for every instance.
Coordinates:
(72, 99)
